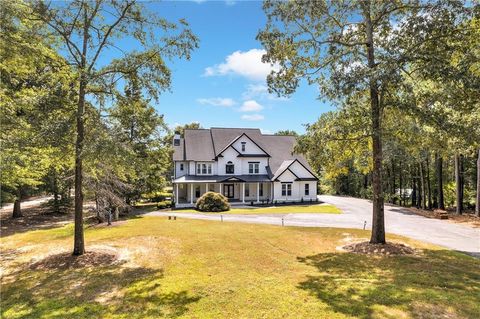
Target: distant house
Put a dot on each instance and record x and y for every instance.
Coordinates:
(243, 164)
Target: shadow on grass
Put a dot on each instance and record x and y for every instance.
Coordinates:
(93, 292)
(436, 284)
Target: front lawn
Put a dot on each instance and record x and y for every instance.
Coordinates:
(205, 269)
(286, 209)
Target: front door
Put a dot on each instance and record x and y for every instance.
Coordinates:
(228, 190)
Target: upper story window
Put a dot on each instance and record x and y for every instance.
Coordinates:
(253, 167)
(204, 168)
(181, 166)
(307, 189)
(176, 142)
(229, 168)
(243, 146)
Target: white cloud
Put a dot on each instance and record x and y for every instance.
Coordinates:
(230, 2)
(217, 101)
(252, 117)
(264, 131)
(260, 91)
(251, 106)
(247, 64)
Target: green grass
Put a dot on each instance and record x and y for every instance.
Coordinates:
(204, 269)
(287, 209)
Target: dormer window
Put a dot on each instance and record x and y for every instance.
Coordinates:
(229, 168)
(181, 166)
(243, 146)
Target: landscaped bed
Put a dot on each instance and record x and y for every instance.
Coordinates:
(152, 267)
(283, 209)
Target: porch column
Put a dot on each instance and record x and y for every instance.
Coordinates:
(243, 192)
(191, 193)
(221, 189)
(176, 194)
(258, 192)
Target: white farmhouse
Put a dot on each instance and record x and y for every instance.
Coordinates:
(243, 164)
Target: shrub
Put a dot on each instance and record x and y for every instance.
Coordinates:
(164, 204)
(158, 196)
(212, 202)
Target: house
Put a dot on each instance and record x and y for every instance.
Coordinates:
(241, 163)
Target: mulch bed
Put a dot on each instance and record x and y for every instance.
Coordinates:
(66, 260)
(387, 249)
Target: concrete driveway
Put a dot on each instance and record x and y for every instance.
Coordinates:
(356, 214)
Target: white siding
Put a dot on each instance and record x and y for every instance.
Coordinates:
(229, 155)
(250, 147)
(300, 171)
(178, 172)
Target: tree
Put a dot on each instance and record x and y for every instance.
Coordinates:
(34, 88)
(287, 132)
(351, 47)
(88, 30)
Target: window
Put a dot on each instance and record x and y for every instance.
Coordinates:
(197, 191)
(243, 146)
(176, 142)
(307, 189)
(253, 167)
(204, 169)
(260, 190)
(247, 190)
(286, 189)
(229, 168)
(181, 166)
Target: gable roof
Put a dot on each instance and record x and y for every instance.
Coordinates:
(207, 144)
(236, 139)
(286, 167)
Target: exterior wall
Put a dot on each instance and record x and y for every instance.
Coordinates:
(263, 162)
(300, 171)
(229, 155)
(250, 147)
(178, 172)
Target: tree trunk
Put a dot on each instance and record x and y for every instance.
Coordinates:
(419, 188)
(56, 205)
(378, 220)
(429, 188)
(400, 177)
(394, 193)
(458, 183)
(414, 190)
(17, 211)
(477, 201)
(79, 241)
(441, 201)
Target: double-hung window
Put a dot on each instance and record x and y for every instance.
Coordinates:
(181, 166)
(253, 167)
(243, 146)
(286, 189)
(204, 169)
(307, 189)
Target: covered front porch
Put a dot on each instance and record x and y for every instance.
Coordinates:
(237, 191)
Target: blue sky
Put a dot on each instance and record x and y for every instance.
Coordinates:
(223, 85)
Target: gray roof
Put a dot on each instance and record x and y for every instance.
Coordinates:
(206, 144)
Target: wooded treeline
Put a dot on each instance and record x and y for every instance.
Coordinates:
(405, 76)
(76, 109)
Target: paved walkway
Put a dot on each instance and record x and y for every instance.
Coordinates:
(358, 211)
